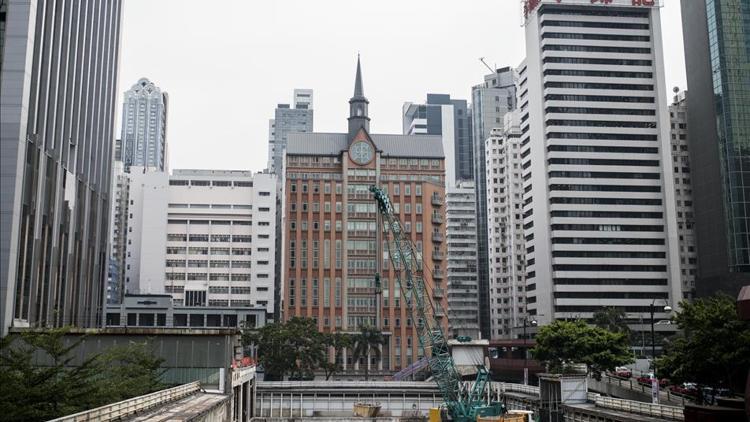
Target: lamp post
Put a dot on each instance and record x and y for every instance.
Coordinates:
(655, 380)
(667, 308)
(526, 323)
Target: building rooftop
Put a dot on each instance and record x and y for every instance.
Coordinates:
(408, 146)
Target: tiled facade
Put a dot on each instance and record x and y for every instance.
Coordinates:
(333, 241)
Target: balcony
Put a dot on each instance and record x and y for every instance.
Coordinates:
(437, 237)
(438, 293)
(437, 219)
(437, 275)
(436, 200)
(439, 313)
(437, 256)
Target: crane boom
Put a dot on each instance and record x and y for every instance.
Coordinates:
(462, 403)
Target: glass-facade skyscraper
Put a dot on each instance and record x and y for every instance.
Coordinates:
(489, 103)
(58, 84)
(716, 36)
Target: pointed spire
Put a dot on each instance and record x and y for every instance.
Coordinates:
(358, 91)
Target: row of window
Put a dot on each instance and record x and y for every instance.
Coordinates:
(598, 73)
(608, 227)
(596, 148)
(237, 238)
(588, 110)
(604, 188)
(603, 175)
(211, 277)
(218, 183)
(179, 250)
(602, 162)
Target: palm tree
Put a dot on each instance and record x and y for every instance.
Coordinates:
(368, 340)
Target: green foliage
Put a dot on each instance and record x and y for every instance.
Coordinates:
(611, 319)
(129, 371)
(38, 379)
(367, 342)
(564, 343)
(295, 347)
(713, 348)
(338, 341)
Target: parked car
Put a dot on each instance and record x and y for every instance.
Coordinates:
(687, 388)
(646, 379)
(623, 372)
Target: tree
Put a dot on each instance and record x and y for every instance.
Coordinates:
(295, 347)
(338, 341)
(611, 319)
(713, 348)
(564, 343)
(367, 341)
(40, 379)
(129, 371)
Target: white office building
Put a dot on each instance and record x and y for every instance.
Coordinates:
(599, 210)
(143, 141)
(204, 236)
(506, 248)
(463, 292)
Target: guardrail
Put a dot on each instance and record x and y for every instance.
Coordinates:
(519, 388)
(128, 407)
(648, 409)
(664, 393)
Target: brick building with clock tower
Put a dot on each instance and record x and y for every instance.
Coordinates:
(333, 240)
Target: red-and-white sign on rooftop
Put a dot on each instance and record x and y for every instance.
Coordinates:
(530, 5)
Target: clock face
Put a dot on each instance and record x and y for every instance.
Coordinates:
(361, 152)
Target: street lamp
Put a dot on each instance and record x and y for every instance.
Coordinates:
(526, 323)
(655, 380)
(666, 308)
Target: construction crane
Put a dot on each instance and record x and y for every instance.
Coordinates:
(463, 403)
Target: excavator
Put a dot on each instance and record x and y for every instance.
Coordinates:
(463, 402)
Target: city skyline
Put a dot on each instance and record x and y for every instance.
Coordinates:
(232, 50)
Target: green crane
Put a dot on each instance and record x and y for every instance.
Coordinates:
(463, 403)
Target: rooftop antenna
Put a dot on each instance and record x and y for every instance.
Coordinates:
(481, 59)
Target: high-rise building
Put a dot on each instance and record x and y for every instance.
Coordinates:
(333, 246)
(599, 212)
(58, 113)
(683, 193)
(204, 236)
(451, 119)
(143, 141)
(716, 35)
(507, 269)
(118, 232)
(298, 118)
(461, 229)
(489, 103)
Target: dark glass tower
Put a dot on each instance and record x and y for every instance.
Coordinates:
(716, 36)
(58, 94)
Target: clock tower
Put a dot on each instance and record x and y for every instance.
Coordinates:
(358, 118)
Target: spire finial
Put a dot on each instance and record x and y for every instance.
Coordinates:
(358, 90)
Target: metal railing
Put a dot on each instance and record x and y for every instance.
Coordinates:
(519, 388)
(633, 384)
(116, 411)
(648, 409)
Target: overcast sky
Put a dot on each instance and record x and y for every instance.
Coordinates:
(226, 64)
